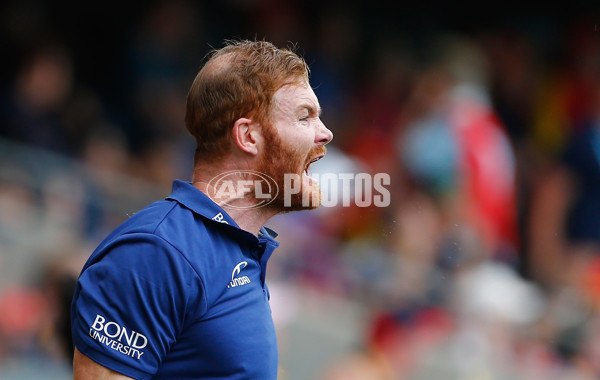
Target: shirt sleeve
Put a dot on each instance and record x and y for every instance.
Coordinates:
(131, 302)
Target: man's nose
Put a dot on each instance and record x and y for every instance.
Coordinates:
(324, 135)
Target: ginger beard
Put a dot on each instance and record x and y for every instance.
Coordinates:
(277, 159)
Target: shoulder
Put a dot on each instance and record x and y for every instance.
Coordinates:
(164, 227)
(165, 239)
(137, 258)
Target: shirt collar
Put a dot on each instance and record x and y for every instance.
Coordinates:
(192, 198)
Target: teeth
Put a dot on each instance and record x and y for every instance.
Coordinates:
(311, 161)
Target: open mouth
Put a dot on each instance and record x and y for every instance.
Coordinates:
(314, 159)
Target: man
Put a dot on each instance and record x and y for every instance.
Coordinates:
(178, 291)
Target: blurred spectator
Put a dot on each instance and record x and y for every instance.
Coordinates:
(564, 230)
(164, 57)
(45, 106)
(39, 94)
(455, 147)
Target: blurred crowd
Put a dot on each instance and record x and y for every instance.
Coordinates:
(486, 265)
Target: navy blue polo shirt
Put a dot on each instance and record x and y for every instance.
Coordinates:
(178, 292)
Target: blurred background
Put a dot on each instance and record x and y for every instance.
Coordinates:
(486, 265)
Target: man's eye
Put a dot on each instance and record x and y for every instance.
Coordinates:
(305, 118)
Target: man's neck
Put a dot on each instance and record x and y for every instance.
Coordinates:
(241, 210)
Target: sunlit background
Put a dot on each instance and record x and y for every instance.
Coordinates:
(486, 264)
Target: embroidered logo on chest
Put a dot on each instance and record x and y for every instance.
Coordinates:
(236, 279)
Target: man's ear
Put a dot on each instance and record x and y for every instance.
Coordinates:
(246, 134)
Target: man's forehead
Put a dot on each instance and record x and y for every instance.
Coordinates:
(296, 95)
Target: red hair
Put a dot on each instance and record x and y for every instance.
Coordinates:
(237, 81)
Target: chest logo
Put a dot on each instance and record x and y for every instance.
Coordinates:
(236, 279)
